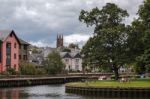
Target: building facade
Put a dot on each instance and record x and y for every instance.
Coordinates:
(72, 61)
(9, 50)
(23, 50)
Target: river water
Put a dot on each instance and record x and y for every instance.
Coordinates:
(42, 92)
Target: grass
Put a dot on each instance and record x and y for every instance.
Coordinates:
(111, 83)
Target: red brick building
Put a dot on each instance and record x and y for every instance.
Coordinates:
(9, 50)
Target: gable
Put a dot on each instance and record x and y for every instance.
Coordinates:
(77, 55)
(12, 33)
(67, 55)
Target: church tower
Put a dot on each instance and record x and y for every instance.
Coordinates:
(59, 42)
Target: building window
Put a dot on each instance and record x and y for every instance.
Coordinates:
(8, 45)
(77, 67)
(15, 56)
(19, 46)
(25, 57)
(77, 60)
(8, 54)
(25, 47)
(67, 60)
(15, 45)
(19, 56)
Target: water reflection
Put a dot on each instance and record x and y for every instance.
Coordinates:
(43, 92)
(9, 94)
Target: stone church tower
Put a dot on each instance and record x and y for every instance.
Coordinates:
(59, 41)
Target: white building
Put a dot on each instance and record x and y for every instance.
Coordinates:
(72, 60)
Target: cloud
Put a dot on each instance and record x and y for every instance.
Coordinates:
(41, 20)
(40, 43)
(79, 39)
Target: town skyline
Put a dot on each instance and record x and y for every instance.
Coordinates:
(39, 21)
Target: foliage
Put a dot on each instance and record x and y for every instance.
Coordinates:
(11, 71)
(142, 27)
(36, 50)
(41, 71)
(71, 45)
(27, 68)
(53, 64)
(66, 50)
(108, 46)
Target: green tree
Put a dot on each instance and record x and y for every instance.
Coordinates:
(53, 64)
(66, 50)
(142, 41)
(108, 45)
(72, 45)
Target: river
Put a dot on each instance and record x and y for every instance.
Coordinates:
(42, 92)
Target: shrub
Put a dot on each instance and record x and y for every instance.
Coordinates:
(27, 69)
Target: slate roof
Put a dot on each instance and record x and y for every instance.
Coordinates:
(23, 42)
(70, 55)
(75, 54)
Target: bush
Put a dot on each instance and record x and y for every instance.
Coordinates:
(11, 71)
(27, 69)
(41, 71)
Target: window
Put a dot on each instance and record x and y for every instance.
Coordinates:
(15, 56)
(8, 45)
(19, 46)
(15, 45)
(25, 47)
(8, 54)
(25, 57)
(19, 56)
(67, 60)
(77, 60)
(77, 67)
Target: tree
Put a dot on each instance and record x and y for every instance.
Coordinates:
(66, 50)
(53, 64)
(108, 46)
(142, 27)
(71, 45)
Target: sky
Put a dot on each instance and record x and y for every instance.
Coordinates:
(39, 21)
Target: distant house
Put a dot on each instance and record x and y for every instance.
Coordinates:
(72, 60)
(36, 59)
(23, 50)
(9, 50)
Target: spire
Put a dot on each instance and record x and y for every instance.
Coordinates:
(59, 41)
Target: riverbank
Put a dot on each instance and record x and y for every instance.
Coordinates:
(112, 83)
(30, 81)
(134, 88)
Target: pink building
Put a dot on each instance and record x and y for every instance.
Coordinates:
(9, 50)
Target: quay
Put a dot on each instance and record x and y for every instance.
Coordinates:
(109, 91)
(30, 81)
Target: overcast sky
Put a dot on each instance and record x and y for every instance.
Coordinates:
(39, 21)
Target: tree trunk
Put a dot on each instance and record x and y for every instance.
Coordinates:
(116, 73)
